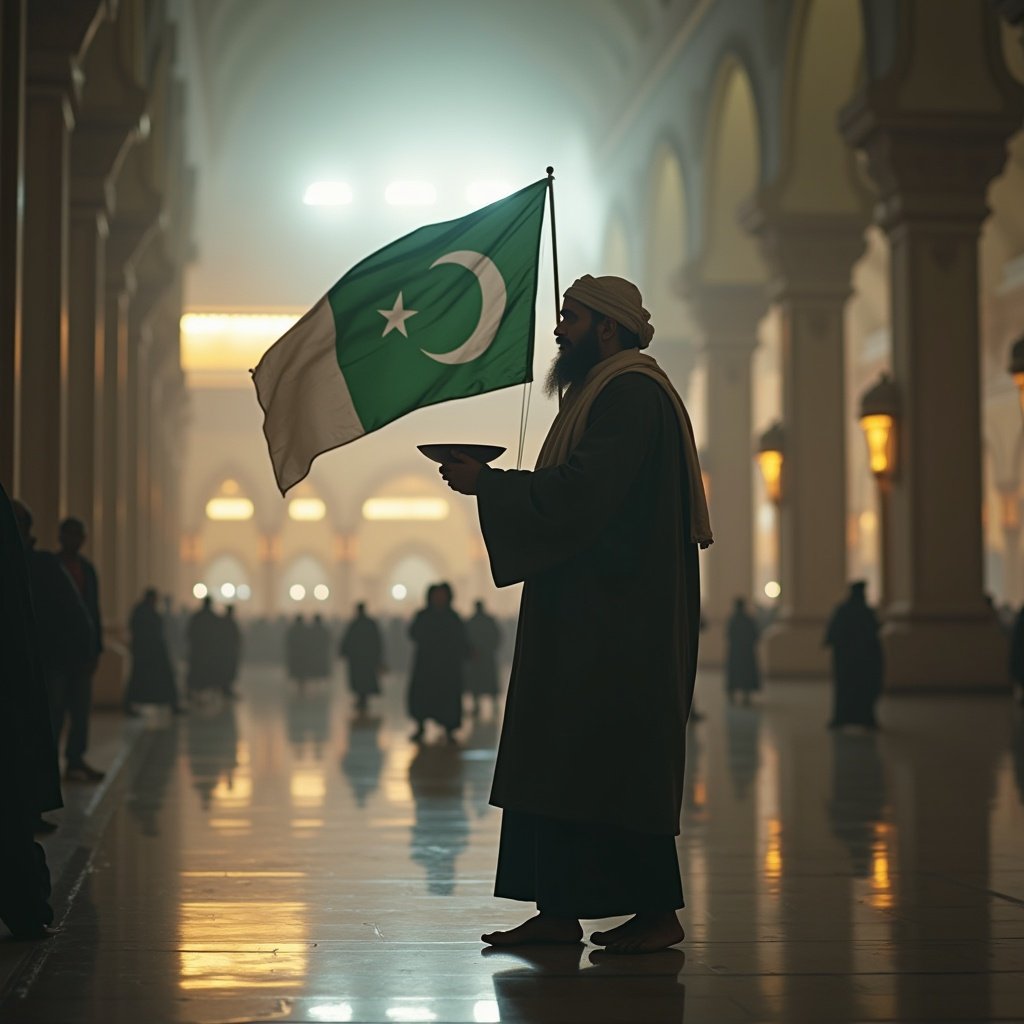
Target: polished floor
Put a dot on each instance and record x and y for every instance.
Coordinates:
(281, 860)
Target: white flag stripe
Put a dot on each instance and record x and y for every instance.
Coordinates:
(305, 396)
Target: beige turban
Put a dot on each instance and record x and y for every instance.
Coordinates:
(617, 298)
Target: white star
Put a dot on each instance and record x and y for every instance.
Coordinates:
(396, 317)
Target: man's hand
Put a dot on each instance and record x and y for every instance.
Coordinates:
(461, 473)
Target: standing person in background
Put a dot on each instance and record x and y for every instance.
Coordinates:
(296, 658)
(484, 638)
(231, 655)
(204, 637)
(74, 698)
(857, 665)
(152, 679)
(318, 649)
(361, 647)
(435, 689)
(742, 674)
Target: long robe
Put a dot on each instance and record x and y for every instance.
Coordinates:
(362, 649)
(857, 662)
(742, 674)
(484, 640)
(606, 650)
(152, 677)
(435, 687)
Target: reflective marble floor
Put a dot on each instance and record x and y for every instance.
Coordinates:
(281, 860)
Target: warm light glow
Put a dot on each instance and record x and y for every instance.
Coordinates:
(296, 591)
(772, 589)
(321, 592)
(399, 592)
(219, 349)
(233, 792)
(868, 521)
(331, 1012)
(773, 855)
(879, 434)
(405, 509)
(227, 590)
(1009, 508)
(700, 793)
(480, 193)
(486, 1012)
(243, 874)
(306, 510)
(199, 591)
(770, 463)
(308, 787)
(327, 193)
(1018, 379)
(881, 883)
(244, 592)
(410, 193)
(229, 509)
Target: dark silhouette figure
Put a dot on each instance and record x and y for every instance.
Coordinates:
(296, 652)
(66, 641)
(71, 698)
(1017, 654)
(230, 652)
(484, 636)
(856, 661)
(28, 755)
(318, 649)
(435, 689)
(361, 647)
(742, 675)
(363, 759)
(204, 638)
(152, 676)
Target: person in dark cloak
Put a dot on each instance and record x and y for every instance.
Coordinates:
(484, 637)
(604, 533)
(318, 649)
(435, 688)
(230, 652)
(296, 658)
(742, 674)
(204, 637)
(362, 649)
(1017, 654)
(152, 676)
(28, 754)
(857, 664)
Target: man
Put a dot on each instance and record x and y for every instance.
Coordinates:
(857, 662)
(204, 638)
(152, 679)
(73, 699)
(361, 647)
(604, 533)
(484, 637)
(742, 675)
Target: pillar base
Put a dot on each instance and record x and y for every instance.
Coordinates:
(109, 678)
(924, 654)
(794, 648)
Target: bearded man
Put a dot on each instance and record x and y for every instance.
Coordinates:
(604, 533)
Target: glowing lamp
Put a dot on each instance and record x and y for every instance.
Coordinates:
(879, 418)
(306, 510)
(770, 457)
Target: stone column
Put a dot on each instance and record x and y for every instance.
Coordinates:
(932, 156)
(728, 316)
(810, 259)
(12, 153)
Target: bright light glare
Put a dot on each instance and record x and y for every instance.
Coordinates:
(199, 591)
(398, 592)
(407, 509)
(306, 510)
(244, 592)
(331, 1012)
(227, 590)
(410, 193)
(321, 593)
(229, 509)
(772, 589)
(410, 1013)
(480, 193)
(328, 193)
(296, 591)
(486, 1011)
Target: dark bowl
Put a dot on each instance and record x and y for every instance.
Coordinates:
(443, 452)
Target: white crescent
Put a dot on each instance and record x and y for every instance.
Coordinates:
(494, 298)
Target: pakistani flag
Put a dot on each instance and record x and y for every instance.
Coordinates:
(445, 312)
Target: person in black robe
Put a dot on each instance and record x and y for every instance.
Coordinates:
(229, 652)
(318, 649)
(204, 638)
(28, 754)
(435, 688)
(857, 664)
(482, 671)
(151, 680)
(742, 674)
(605, 534)
(362, 649)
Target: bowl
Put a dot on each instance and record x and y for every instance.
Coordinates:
(443, 452)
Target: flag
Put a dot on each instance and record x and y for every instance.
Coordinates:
(443, 313)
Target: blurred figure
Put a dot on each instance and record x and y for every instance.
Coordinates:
(28, 754)
(435, 689)
(204, 636)
(856, 660)
(484, 638)
(72, 698)
(230, 654)
(296, 657)
(742, 675)
(363, 759)
(318, 649)
(152, 677)
(440, 831)
(361, 647)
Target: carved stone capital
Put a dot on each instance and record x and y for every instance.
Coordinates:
(727, 314)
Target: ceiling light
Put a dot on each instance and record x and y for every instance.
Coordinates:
(327, 193)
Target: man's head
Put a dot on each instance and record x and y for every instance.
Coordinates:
(858, 590)
(71, 535)
(600, 316)
(23, 515)
(360, 609)
(149, 596)
(207, 602)
(478, 605)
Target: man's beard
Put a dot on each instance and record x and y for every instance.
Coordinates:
(571, 365)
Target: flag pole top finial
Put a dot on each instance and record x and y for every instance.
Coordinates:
(551, 172)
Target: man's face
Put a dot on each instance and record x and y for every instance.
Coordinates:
(579, 348)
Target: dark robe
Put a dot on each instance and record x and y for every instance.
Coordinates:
(204, 638)
(435, 688)
(606, 651)
(152, 677)
(742, 674)
(362, 649)
(484, 640)
(318, 650)
(856, 662)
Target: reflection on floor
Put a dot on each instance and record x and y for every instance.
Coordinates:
(281, 859)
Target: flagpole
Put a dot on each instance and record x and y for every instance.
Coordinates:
(554, 240)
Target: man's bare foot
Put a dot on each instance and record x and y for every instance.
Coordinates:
(543, 929)
(645, 933)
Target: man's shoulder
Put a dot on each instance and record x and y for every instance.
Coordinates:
(634, 393)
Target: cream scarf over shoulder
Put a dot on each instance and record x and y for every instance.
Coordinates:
(571, 421)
